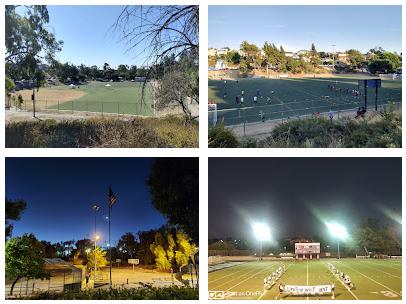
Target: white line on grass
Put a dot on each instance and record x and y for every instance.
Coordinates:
(391, 266)
(246, 279)
(372, 279)
(392, 275)
(233, 273)
(307, 276)
(232, 279)
(349, 290)
(266, 290)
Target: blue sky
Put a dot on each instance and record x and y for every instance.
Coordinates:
(87, 37)
(296, 27)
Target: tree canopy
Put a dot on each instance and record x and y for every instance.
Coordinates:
(13, 211)
(24, 259)
(174, 188)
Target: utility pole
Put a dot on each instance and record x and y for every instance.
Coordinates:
(333, 57)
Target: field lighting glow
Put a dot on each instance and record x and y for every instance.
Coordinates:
(337, 230)
(261, 231)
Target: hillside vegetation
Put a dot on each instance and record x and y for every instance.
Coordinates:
(382, 130)
(167, 132)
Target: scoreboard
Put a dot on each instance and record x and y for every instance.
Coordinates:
(306, 248)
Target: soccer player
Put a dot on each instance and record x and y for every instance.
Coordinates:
(237, 99)
(242, 100)
(225, 95)
(242, 93)
(261, 113)
(255, 99)
(268, 100)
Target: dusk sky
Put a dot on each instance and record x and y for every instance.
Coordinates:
(295, 27)
(60, 192)
(296, 196)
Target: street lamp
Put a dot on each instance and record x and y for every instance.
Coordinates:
(262, 233)
(95, 208)
(339, 232)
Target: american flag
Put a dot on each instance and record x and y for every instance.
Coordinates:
(112, 198)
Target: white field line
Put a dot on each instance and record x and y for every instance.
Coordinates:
(232, 279)
(266, 290)
(307, 276)
(372, 280)
(247, 279)
(349, 290)
(233, 273)
(387, 273)
(384, 265)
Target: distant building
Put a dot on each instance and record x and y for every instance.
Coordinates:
(222, 51)
(212, 52)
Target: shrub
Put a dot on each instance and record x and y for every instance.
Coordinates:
(219, 137)
(146, 292)
(383, 130)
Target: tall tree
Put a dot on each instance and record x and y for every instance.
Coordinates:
(174, 188)
(27, 39)
(128, 245)
(24, 259)
(14, 209)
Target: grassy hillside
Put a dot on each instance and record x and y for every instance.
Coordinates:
(383, 130)
(170, 131)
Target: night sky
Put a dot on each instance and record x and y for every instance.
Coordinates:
(60, 191)
(296, 196)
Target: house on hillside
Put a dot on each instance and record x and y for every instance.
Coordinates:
(212, 52)
(223, 51)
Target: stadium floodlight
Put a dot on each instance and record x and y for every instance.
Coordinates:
(262, 233)
(339, 232)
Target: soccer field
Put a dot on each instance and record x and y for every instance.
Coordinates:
(293, 97)
(373, 279)
(118, 98)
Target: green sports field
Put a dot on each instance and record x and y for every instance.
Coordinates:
(119, 97)
(292, 97)
(373, 279)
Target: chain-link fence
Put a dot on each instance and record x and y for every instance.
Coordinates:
(245, 127)
(83, 107)
(59, 281)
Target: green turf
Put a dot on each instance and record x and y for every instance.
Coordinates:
(120, 97)
(292, 97)
(373, 279)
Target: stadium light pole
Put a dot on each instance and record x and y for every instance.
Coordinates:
(339, 232)
(333, 57)
(262, 233)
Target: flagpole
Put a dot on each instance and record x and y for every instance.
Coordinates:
(110, 242)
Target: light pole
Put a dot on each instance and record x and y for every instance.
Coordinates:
(339, 232)
(333, 57)
(262, 233)
(95, 208)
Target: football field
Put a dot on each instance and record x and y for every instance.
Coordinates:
(293, 97)
(373, 279)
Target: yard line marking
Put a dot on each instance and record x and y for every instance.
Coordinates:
(372, 279)
(233, 273)
(342, 283)
(247, 279)
(388, 265)
(233, 279)
(266, 290)
(307, 276)
(398, 277)
(236, 278)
